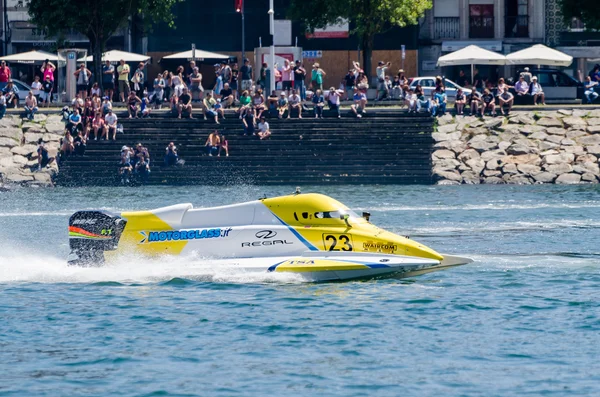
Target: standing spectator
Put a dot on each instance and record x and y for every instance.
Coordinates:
(526, 75)
(462, 80)
(299, 77)
(171, 156)
(360, 102)
(207, 107)
(258, 103)
(380, 71)
(168, 78)
(83, 75)
(125, 168)
(123, 72)
(12, 94)
(227, 96)
(98, 125)
(48, 86)
(263, 129)
(48, 69)
(287, 77)
(185, 104)
(42, 155)
(460, 101)
(225, 72)
(2, 105)
(590, 86)
(349, 81)
(537, 92)
(188, 74)
(319, 101)
(282, 105)
(333, 99)
(235, 74)
(132, 105)
(477, 81)
(262, 79)
(295, 102)
(108, 79)
(487, 102)
(110, 125)
(505, 99)
(474, 101)
(5, 75)
(212, 143)
(196, 85)
(247, 75)
(138, 80)
(402, 78)
(248, 121)
(37, 88)
(178, 83)
(223, 145)
(31, 107)
(159, 91)
(317, 77)
(521, 87)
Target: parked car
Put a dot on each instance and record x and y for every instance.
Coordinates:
(557, 85)
(23, 88)
(428, 85)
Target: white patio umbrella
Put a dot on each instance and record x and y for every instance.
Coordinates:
(539, 54)
(472, 55)
(31, 57)
(115, 56)
(200, 55)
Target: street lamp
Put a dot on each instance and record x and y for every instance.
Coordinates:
(271, 13)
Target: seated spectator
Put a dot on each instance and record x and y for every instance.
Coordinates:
(159, 91)
(333, 100)
(125, 168)
(75, 122)
(2, 105)
(474, 101)
(218, 108)
(31, 107)
(223, 145)
(132, 105)
(295, 103)
(460, 101)
(66, 145)
(184, 104)
(590, 89)
(98, 125)
(87, 116)
(537, 92)
(110, 125)
(396, 88)
(319, 101)
(47, 86)
(245, 101)
(258, 103)
(36, 86)
(95, 90)
(145, 106)
(96, 103)
(248, 121)
(360, 103)
(106, 105)
(263, 129)
(502, 85)
(77, 103)
(438, 102)
(12, 94)
(422, 102)
(521, 87)
(411, 101)
(196, 88)
(171, 156)
(272, 103)
(505, 99)
(42, 155)
(212, 143)
(384, 94)
(79, 144)
(488, 103)
(207, 107)
(282, 105)
(227, 97)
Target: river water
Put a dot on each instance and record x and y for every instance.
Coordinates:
(524, 319)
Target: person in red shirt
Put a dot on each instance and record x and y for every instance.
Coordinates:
(4, 74)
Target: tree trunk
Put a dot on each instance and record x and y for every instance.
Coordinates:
(97, 51)
(367, 52)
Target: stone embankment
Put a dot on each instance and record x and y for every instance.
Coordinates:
(18, 149)
(524, 148)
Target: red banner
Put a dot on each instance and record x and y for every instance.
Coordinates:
(238, 5)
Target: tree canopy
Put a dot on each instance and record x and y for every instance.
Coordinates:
(586, 10)
(98, 20)
(368, 17)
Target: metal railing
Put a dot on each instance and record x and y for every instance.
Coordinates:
(481, 27)
(446, 27)
(516, 26)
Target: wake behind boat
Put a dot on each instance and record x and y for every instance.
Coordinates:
(308, 234)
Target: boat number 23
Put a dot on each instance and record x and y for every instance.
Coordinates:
(338, 242)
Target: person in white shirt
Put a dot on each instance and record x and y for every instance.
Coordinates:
(295, 102)
(536, 91)
(37, 88)
(411, 101)
(110, 125)
(590, 87)
(263, 128)
(382, 87)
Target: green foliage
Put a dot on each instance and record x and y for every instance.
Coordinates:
(586, 10)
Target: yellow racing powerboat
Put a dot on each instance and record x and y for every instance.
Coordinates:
(312, 235)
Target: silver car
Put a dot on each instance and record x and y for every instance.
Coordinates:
(428, 85)
(23, 88)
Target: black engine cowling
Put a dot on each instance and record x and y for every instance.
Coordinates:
(91, 233)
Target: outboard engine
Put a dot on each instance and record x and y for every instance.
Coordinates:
(90, 234)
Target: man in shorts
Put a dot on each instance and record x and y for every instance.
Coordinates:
(123, 72)
(108, 79)
(247, 75)
(110, 125)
